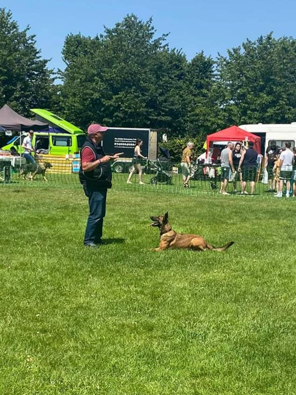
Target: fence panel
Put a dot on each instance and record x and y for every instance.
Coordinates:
(62, 172)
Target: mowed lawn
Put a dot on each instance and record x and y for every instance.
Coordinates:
(126, 320)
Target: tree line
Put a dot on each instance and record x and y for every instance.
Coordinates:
(129, 77)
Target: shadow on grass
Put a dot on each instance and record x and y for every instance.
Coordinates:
(18, 190)
(113, 241)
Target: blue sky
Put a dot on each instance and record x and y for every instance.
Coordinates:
(194, 25)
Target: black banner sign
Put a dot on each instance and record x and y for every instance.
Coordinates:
(121, 140)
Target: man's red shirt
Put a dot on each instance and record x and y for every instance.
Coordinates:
(88, 155)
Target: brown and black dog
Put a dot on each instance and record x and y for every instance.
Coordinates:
(31, 170)
(171, 239)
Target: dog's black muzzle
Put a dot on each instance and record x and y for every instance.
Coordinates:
(155, 221)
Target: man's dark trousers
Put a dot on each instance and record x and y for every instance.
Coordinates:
(97, 211)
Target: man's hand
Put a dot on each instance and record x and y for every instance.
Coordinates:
(107, 158)
(116, 156)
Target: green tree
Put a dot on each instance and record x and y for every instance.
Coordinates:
(81, 90)
(169, 98)
(204, 114)
(25, 80)
(258, 81)
(126, 77)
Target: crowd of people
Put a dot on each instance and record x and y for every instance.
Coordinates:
(240, 164)
(281, 169)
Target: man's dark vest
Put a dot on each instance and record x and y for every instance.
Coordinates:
(101, 176)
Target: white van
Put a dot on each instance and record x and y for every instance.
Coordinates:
(281, 133)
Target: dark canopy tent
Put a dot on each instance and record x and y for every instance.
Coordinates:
(11, 120)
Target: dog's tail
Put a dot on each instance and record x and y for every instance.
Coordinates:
(219, 249)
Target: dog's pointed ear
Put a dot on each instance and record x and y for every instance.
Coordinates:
(166, 217)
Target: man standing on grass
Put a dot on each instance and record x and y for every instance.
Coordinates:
(186, 163)
(286, 169)
(226, 156)
(248, 167)
(96, 177)
(27, 145)
(270, 158)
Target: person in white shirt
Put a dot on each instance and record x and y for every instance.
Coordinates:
(27, 145)
(286, 169)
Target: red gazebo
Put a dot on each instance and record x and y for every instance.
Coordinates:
(234, 133)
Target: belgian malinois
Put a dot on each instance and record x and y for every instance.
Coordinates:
(171, 239)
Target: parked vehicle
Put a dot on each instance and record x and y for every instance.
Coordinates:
(281, 133)
(50, 143)
(58, 124)
(62, 138)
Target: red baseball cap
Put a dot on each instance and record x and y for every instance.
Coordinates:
(96, 128)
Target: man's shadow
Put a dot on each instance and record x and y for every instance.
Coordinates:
(113, 241)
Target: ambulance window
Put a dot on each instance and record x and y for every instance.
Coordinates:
(62, 141)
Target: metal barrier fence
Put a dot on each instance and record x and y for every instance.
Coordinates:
(61, 172)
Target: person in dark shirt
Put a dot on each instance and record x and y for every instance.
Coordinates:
(234, 163)
(294, 172)
(136, 164)
(270, 158)
(248, 167)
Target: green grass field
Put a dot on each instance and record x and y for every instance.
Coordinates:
(122, 319)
